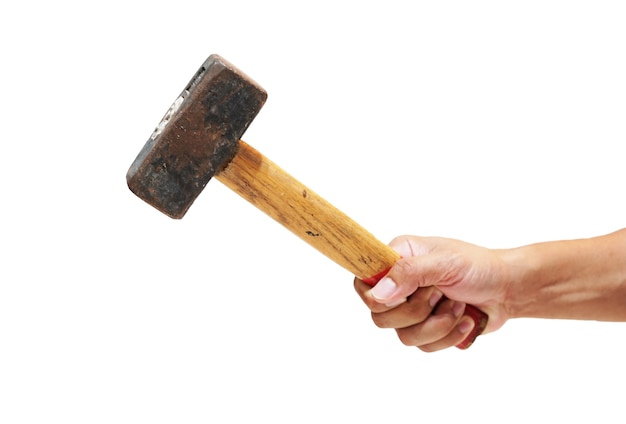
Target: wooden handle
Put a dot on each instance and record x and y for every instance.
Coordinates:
(313, 219)
(304, 213)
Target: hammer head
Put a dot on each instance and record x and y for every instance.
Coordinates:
(197, 137)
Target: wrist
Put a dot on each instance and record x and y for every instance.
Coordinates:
(541, 279)
(518, 266)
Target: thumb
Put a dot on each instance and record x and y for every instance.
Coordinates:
(407, 275)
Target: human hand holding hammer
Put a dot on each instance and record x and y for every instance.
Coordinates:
(199, 138)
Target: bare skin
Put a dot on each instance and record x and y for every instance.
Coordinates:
(581, 279)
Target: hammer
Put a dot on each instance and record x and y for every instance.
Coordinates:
(199, 138)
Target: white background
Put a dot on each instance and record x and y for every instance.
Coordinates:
(499, 123)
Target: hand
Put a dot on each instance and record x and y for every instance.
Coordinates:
(424, 294)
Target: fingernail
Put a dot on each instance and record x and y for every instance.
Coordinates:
(458, 309)
(384, 289)
(465, 326)
(435, 298)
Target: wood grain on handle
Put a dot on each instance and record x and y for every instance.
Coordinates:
(304, 213)
(313, 219)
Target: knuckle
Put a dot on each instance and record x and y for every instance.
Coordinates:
(406, 337)
(406, 267)
(380, 320)
(375, 307)
(419, 310)
(427, 348)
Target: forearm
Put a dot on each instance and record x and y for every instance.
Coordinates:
(573, 279)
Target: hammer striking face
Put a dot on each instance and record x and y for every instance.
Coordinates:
(196, 138)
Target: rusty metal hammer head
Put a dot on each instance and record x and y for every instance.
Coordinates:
(196, 138)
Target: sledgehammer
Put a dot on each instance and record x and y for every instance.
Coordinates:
(199, 138)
